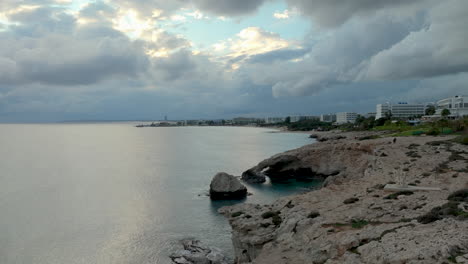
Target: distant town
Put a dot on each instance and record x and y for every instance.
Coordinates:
(414, 113)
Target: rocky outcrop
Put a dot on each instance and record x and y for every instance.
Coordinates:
(320, 227)
(253, 176)
(226, 187)
(313, 162)
(195, 252)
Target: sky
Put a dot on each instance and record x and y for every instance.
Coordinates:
(65, 60)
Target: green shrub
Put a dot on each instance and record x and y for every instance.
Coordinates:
(463, 139)
(449, 209)
(236, 214)
(269, 214)
(350, 200)
(394, 196)
(459, 196)
(276, 220)
(358, 223)
(433, 132)
(447, 131)
(313, 214)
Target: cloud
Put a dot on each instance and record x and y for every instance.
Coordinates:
(333, 60)
(116, 58)
(282, 15)
(55, 50)
(332, 13)
(229, 7)
(61, 60)
(96, 12)
(436, 50)
(250, 44)
(284, 54)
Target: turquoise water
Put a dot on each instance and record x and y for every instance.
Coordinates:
(113, 193)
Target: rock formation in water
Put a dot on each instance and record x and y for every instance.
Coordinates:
(226, 187)
(195, 252)
(317, 161)
(352, 219)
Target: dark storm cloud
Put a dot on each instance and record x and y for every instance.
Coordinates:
(41, 21)
(146, 7)
(62, 60)
(371, 51)
(439, 49)
(47, 46)
(229, 7)
(331, 13)
(386, 46)
(177, 66)
(98, 12)
(332, 60)
(217, 7)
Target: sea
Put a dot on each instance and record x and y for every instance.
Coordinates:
(113, 193)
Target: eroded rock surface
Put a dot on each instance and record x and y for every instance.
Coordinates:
(195, 252)
(225, 187)
(319, 227)
(312, 162)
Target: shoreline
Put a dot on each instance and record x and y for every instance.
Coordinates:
(359, 225)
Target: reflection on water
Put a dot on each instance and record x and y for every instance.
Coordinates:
(113, 193)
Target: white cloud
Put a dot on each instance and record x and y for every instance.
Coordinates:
(197, 14)
(282, 15)
(254, 40)
(178, 18)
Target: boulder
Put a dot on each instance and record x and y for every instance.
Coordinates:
(226, 187)
(253, 176)
(195, 252)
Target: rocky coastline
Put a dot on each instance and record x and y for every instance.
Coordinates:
(352, 218)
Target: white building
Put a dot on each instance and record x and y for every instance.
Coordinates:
(300, 118)
(274, 120)
(346, 117)
(400, 110)
(457, 105)
(328, 118)
(245, 120)
(295, 119)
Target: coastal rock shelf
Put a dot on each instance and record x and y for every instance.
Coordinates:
(379, 226)
(313, 162)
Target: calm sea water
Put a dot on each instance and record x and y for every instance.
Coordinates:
(113, 193)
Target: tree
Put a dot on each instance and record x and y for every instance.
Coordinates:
(287, 120)
(359, 119)
(388, 115)
(380, 122)
(430, 110)
(445, 112)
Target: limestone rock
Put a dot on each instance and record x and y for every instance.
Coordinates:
(372, 230)
(226, 187)
(195, 252)
(253, 176)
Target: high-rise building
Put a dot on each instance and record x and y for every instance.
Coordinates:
(457, 105)
(400, 110)
(274, 120)
(346, 117)
(330, 118)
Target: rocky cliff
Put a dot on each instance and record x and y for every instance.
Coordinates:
(353, 219)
